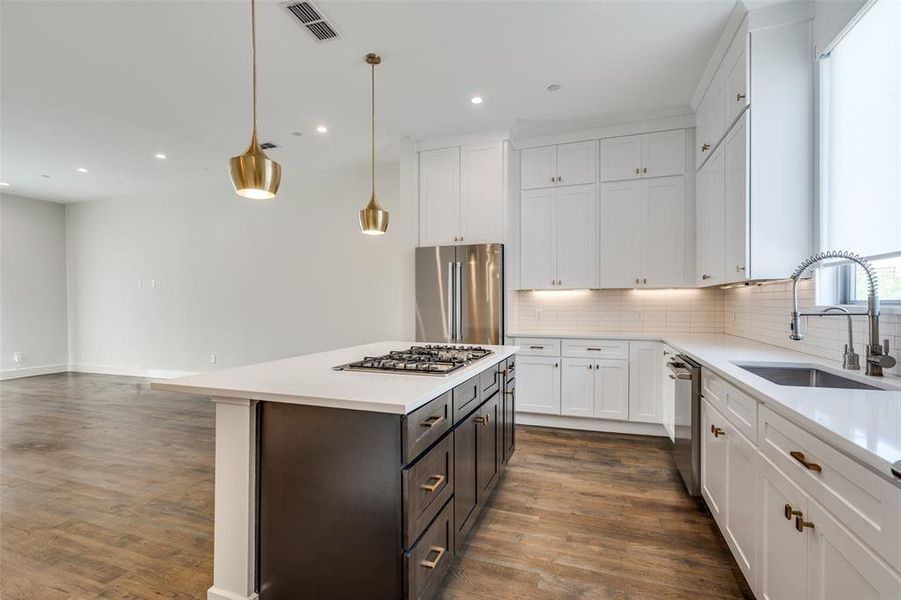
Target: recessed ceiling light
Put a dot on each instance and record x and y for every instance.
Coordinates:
(322, 129)
(3, 183)
(553, 87)
(476, 99)
(82, 170)
(161, 156)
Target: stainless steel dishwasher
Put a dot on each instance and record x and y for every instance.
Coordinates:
(687, 420)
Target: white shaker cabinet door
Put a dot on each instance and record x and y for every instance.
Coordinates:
(710, 222)
(735, 72)
(439, 196)
(735, 204)
(620, 222)
(621, 158)
(538, 252)
(611, 389)
(713, 461)
(577, 163)
(742, 504)
(783, 550)
(577, 396)
(538, 167)
(663, 247)
(482, 193)
(577, 237)
(663, 153)
(840, 566)
(538, 384)
(645, 360)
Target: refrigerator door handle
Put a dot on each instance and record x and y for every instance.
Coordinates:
(458, 301)
(451, 296)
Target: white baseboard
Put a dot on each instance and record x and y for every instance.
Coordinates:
(32, 371)
(585, 424)
(215, 593)
(129, 371)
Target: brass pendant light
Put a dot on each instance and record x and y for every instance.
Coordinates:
(254, 174)
(373, 218)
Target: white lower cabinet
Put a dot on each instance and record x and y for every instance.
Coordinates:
(645, 403)
(786, 543)
(595, 388)
(538, 384)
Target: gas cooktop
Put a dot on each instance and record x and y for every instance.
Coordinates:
(420, 360)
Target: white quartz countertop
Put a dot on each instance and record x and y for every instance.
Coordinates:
(863, 424)
(311, 380)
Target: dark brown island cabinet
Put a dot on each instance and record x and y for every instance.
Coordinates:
(366, 505)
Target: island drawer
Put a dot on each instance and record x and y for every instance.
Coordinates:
(425, 426)
(466, 398)
(864, 502)
(428, 484)
(738, 407)
(489, 382)
(428, 561)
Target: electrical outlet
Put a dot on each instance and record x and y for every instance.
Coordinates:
(732, 316)
(539, 314)
(140, 283)
(639, 314)
(212, 359)
(17, 358)
(153, 283)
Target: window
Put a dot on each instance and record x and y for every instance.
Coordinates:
(860, 132)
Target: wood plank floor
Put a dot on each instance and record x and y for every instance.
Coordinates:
(106, 492)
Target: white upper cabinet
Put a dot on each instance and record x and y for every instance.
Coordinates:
(439, 196)
(621, 158)
(559, 236)
(735, 76)
(643, 233)
(563, 164)
(461, 195)
(710, 120)
(659, 154)
(577, 163)
(538, 167)
(710, 219)
(577, 237)
(735, 203)
(538, 239)
(481, 194)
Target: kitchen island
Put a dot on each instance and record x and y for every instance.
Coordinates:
(351, 484)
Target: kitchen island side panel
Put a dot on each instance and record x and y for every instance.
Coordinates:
(329, 503)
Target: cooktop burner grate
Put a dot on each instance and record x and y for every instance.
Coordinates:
(420, 360)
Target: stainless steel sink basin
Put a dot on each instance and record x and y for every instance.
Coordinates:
(805, 376)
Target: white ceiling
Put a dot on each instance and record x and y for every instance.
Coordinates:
(106, 85)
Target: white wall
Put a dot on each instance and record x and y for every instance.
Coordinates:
(32, 286)
(246, 280)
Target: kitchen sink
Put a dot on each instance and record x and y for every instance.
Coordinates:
(804, 376)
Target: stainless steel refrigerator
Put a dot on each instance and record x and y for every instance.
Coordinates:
(460, 294)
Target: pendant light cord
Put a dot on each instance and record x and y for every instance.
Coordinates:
(253, 54)
(372, 137)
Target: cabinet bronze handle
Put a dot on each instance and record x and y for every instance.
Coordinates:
(431, 487)
(482, 420)
(431, 564)
(705, 147)
(739, 97)
(433, 421)
(790, 512)
(536, 347)
(637, 170)
(510, 392)
(799, 456)
(800, 524)
(672, 376)
(716, 431)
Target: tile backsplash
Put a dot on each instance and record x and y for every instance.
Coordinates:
(761, 313)
(618, 311)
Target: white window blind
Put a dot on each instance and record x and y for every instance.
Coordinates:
(861, 136)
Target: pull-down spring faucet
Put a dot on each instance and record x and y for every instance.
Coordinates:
(878, 357)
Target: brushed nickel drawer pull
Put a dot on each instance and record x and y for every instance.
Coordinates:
(431, 564)
(433, 421)
(800, 524)
(799, 456)
(431, 487)
(790, 512)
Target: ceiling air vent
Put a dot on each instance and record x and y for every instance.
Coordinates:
(313, 21)
(268, 145)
